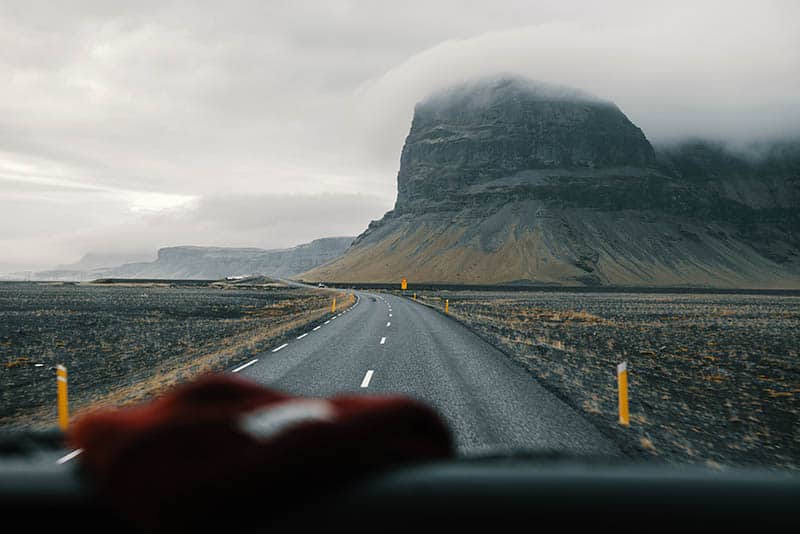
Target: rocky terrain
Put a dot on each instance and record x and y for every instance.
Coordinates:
(506, 180)
(209, 263)
(124, 343)
(714, 379)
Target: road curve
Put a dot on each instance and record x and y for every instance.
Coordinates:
(389, 344)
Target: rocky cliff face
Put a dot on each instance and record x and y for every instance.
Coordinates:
(480, 132)
(508, 180)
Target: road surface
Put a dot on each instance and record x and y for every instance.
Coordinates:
(386, 343)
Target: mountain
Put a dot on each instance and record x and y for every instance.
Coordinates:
(96, 261)
(191, 262)
(507, 180)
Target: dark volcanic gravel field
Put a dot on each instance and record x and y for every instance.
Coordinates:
(124, 343)
(713, 378)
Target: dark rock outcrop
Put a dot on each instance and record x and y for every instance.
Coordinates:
(479, 132)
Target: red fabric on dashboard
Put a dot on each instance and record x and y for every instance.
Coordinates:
(190, 455)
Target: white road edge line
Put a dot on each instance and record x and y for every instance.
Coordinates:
(326, 322)
(281, 347)
(383, 340)
(67, 457)
(248, 364)
(367, 378)
(390, 315)
(316, 328)
(302, 336)
(389, 324)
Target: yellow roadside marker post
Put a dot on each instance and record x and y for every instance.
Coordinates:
(415, 296)
(446, 305)
(622, 384)
(403, 284)
(63, 407)
(333, 305)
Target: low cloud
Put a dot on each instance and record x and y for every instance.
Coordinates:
(726, 71)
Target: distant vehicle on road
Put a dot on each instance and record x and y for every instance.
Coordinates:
(321, 285)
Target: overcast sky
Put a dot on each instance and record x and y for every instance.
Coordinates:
(123, 129)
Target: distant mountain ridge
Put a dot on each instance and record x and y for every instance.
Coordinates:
(197, 262)
(96, 261)
(509, 180)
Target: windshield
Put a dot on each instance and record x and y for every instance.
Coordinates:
(566, 229)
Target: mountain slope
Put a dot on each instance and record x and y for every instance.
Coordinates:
(508, 180)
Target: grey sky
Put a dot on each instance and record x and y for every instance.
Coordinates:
(125, 128)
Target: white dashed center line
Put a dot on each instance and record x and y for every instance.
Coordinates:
(389, 324)
(326, 322)
(281, 347)
(367, 378)
(390, 315)
(67, 457)
(302, 336)
(383, 340)
(248, 364)
(316, 328)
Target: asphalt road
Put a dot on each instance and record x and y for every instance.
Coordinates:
(387, 343)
